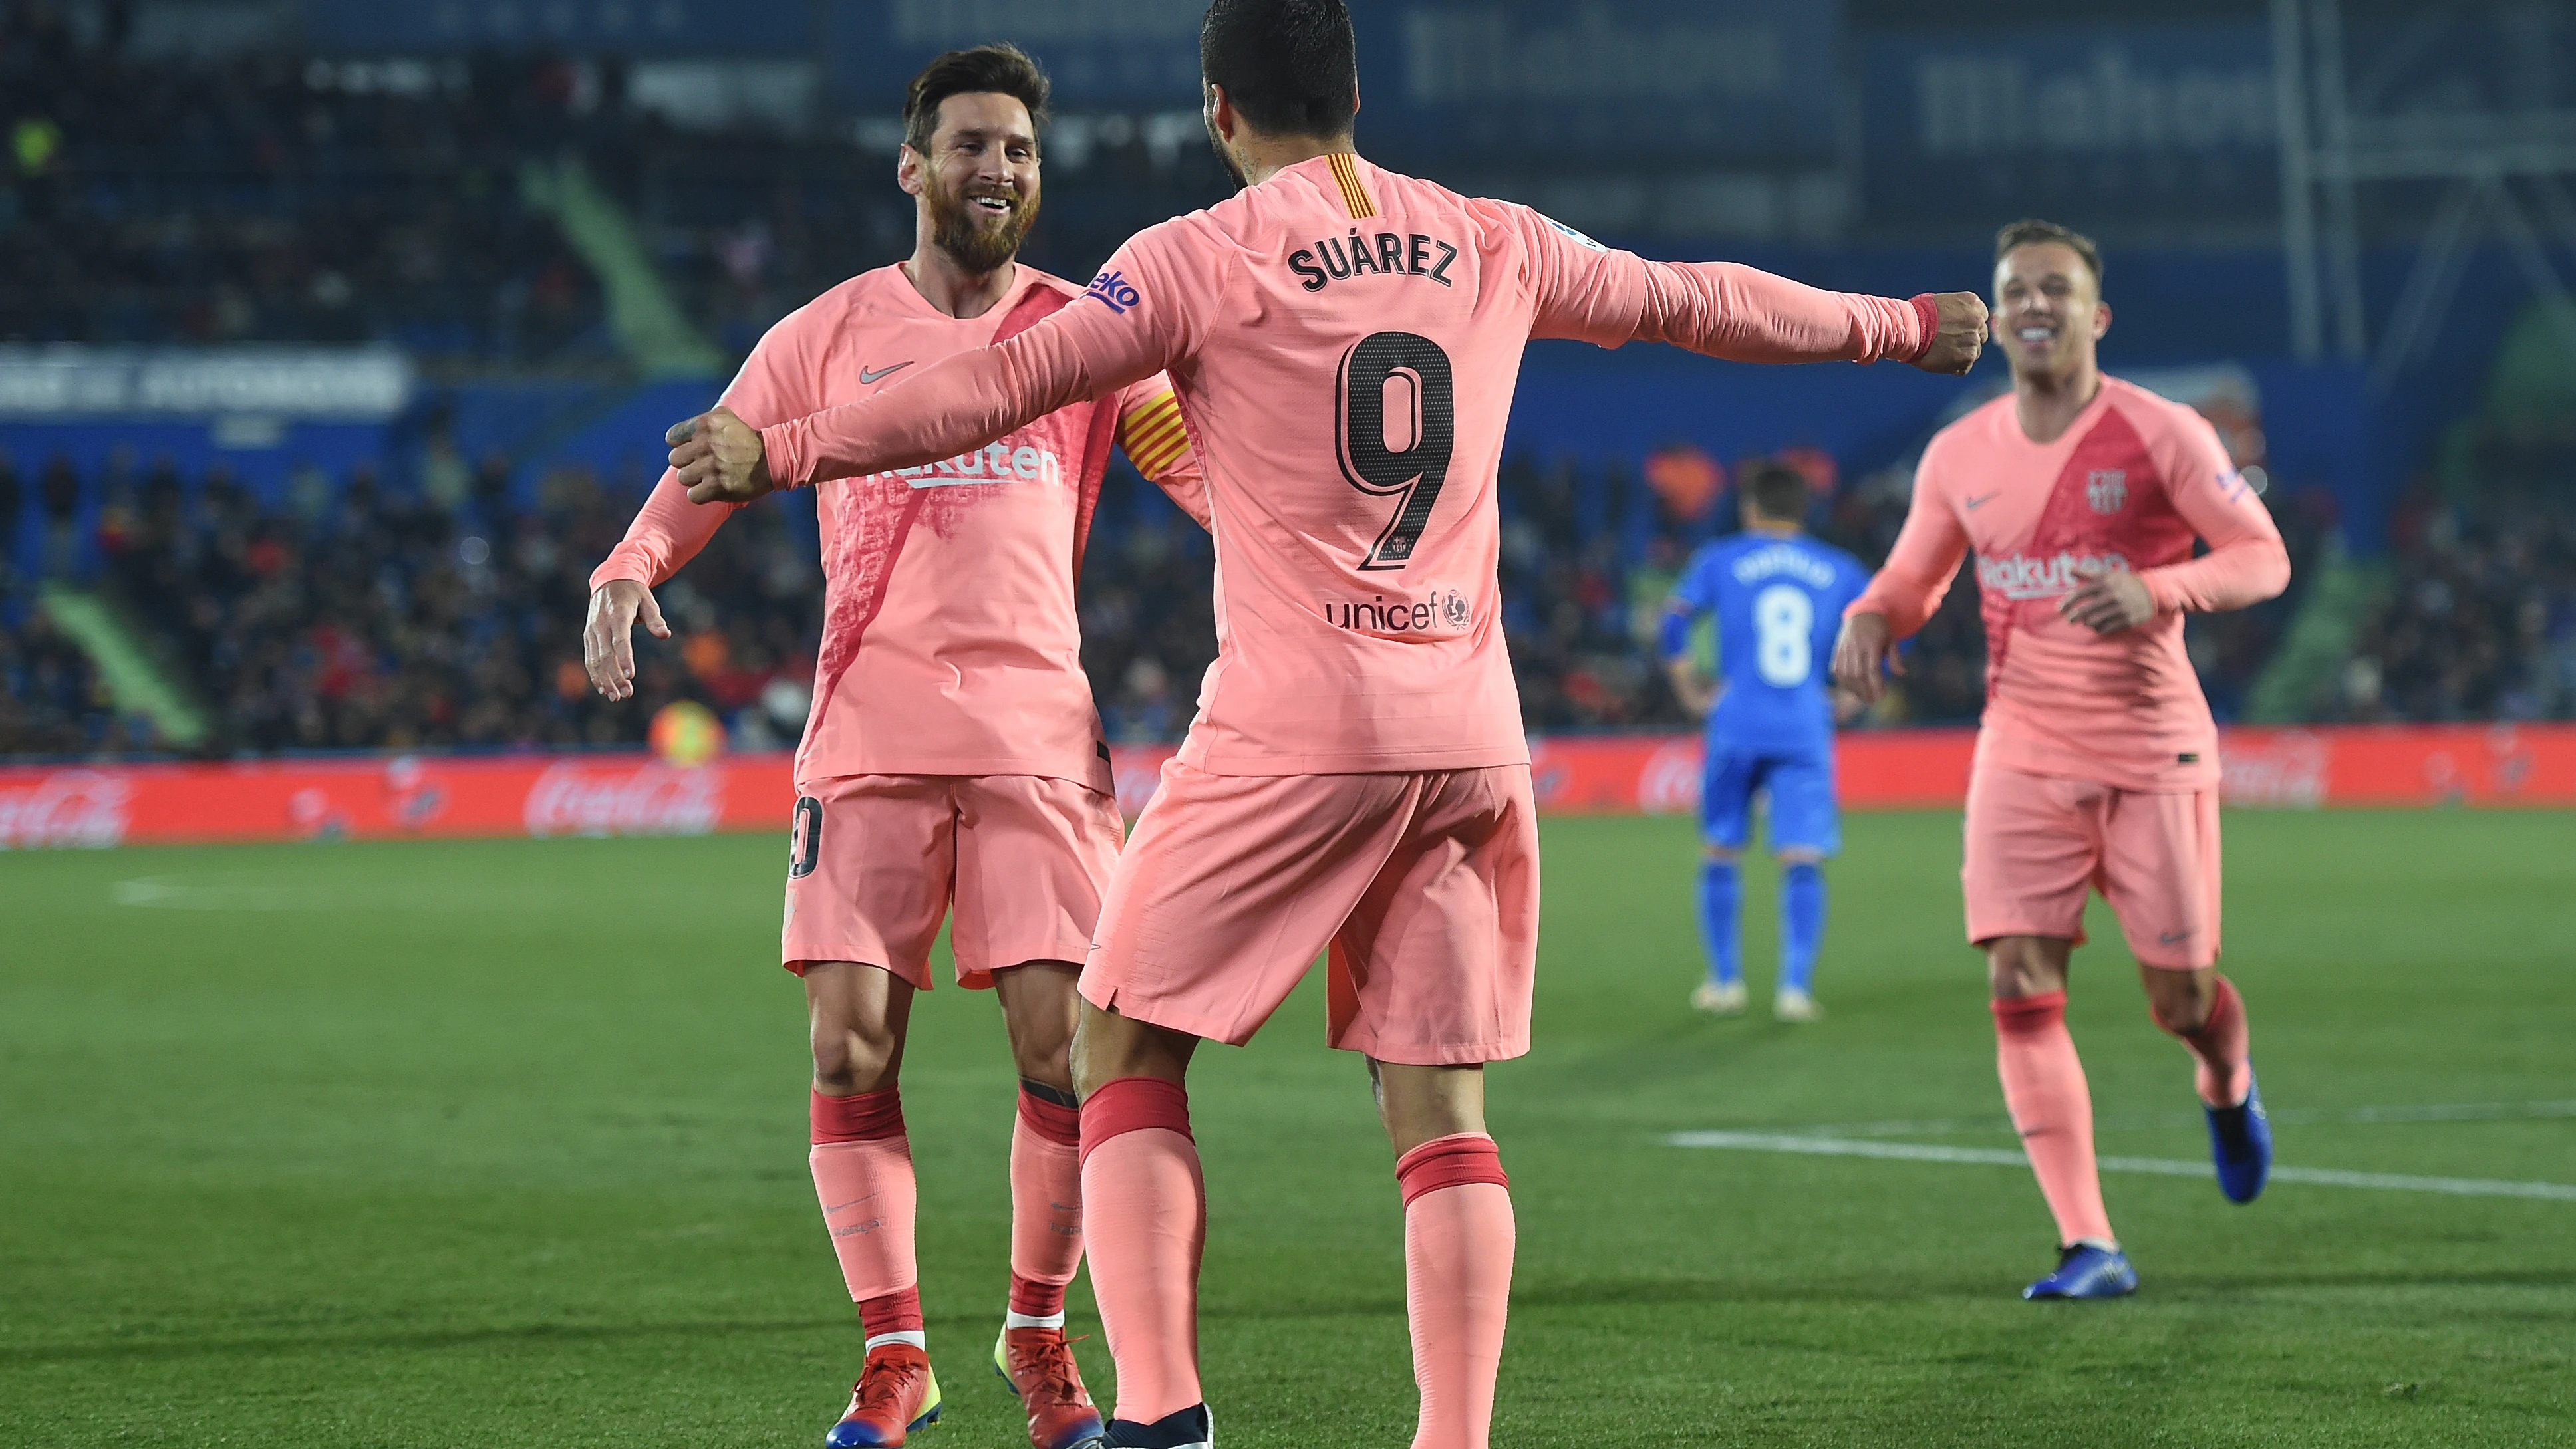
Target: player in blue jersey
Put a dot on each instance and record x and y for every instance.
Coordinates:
(1778, 596)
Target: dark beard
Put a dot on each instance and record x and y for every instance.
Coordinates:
(1241, 181)
(958, 229)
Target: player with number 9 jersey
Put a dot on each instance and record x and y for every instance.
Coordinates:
(1344, 341)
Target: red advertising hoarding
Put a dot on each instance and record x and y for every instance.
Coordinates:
(420, 796)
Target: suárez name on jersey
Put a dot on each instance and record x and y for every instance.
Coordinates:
(1386, 253)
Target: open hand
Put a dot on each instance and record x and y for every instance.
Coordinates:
(1961, 335)
(607, 650)
(1864, 655)
(719, 458)
(2109, 601)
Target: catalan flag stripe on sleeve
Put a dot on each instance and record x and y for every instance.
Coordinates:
(1152, 434)
(1355, 196)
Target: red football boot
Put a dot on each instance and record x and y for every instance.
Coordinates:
(896, 1393)
(1038, 1365)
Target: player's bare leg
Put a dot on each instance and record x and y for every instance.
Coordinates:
(1802, 927)
(1458, 1241)
(862, 1165)
(2052, 1109)
(1721, 898)
(1145, 1219)
(1039, 1008)
(2200, 1008)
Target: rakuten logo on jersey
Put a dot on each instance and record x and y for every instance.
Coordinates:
(575, 799)
(1000, 462)
(2019, 576)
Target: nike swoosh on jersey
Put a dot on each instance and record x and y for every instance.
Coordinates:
(866, 376)
(1972, 504)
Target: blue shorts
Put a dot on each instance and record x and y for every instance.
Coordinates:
(1801, 786)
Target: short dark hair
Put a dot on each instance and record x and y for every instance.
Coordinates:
(1002, 69)
(1290, 66)
(2031, 231)
(1778, 491)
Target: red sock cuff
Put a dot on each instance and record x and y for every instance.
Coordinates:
(2024, 1015)
(1036, 1299)
(1054, 1121)
(1449, 1162)
(896, 1312)
(1132, 1104)
(863, 1118)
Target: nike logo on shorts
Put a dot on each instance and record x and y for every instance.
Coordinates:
(866, 376)
(1972, 504)
(2172, 938)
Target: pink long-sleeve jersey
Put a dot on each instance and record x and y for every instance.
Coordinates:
(1344, 341)
(2128, 485)
(950, 641)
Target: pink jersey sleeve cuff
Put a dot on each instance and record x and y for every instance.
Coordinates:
(1927, 317)
(783, 451)
(622, 562)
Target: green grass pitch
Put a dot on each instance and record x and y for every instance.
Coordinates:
(503, 1144)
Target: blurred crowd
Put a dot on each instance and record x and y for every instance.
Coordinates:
(275, 197)
(348, 615)
(360, 614)
(2479, 615)
(270, 198)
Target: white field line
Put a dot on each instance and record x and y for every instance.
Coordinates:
(2161, 1166)
(2285, 1117)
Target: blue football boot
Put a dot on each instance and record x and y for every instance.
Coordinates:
(1191, 1428)
(2087, 1270)
(2240, 1142)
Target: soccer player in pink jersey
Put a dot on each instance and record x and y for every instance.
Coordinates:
(953, 755)
(2097, 762)
(1344, 340)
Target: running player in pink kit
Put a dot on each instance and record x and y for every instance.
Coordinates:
(2097, 763)
(1345, 342)
(953, 754)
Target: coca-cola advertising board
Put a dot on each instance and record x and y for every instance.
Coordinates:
(427, 796)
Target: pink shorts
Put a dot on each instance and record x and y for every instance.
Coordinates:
(2036, 843)
(876, 860)
(1424, 886)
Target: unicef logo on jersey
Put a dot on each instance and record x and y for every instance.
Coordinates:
(2107, 489)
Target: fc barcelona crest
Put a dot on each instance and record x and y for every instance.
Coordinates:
(2107, 489)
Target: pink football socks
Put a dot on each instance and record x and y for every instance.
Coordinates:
(2052, 1109)
(863, 1177)
(1046, 1209)
(1144, 1213)
(1458, 1241)
(2222, 1073)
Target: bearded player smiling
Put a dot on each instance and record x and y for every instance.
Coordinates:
(953, 753)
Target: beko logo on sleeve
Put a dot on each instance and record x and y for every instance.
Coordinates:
(1115, 292)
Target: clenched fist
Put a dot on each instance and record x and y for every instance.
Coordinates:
(1960, 336)
(719, 458)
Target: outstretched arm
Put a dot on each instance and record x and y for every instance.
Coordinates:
(1147, 312)
(1591, 293)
